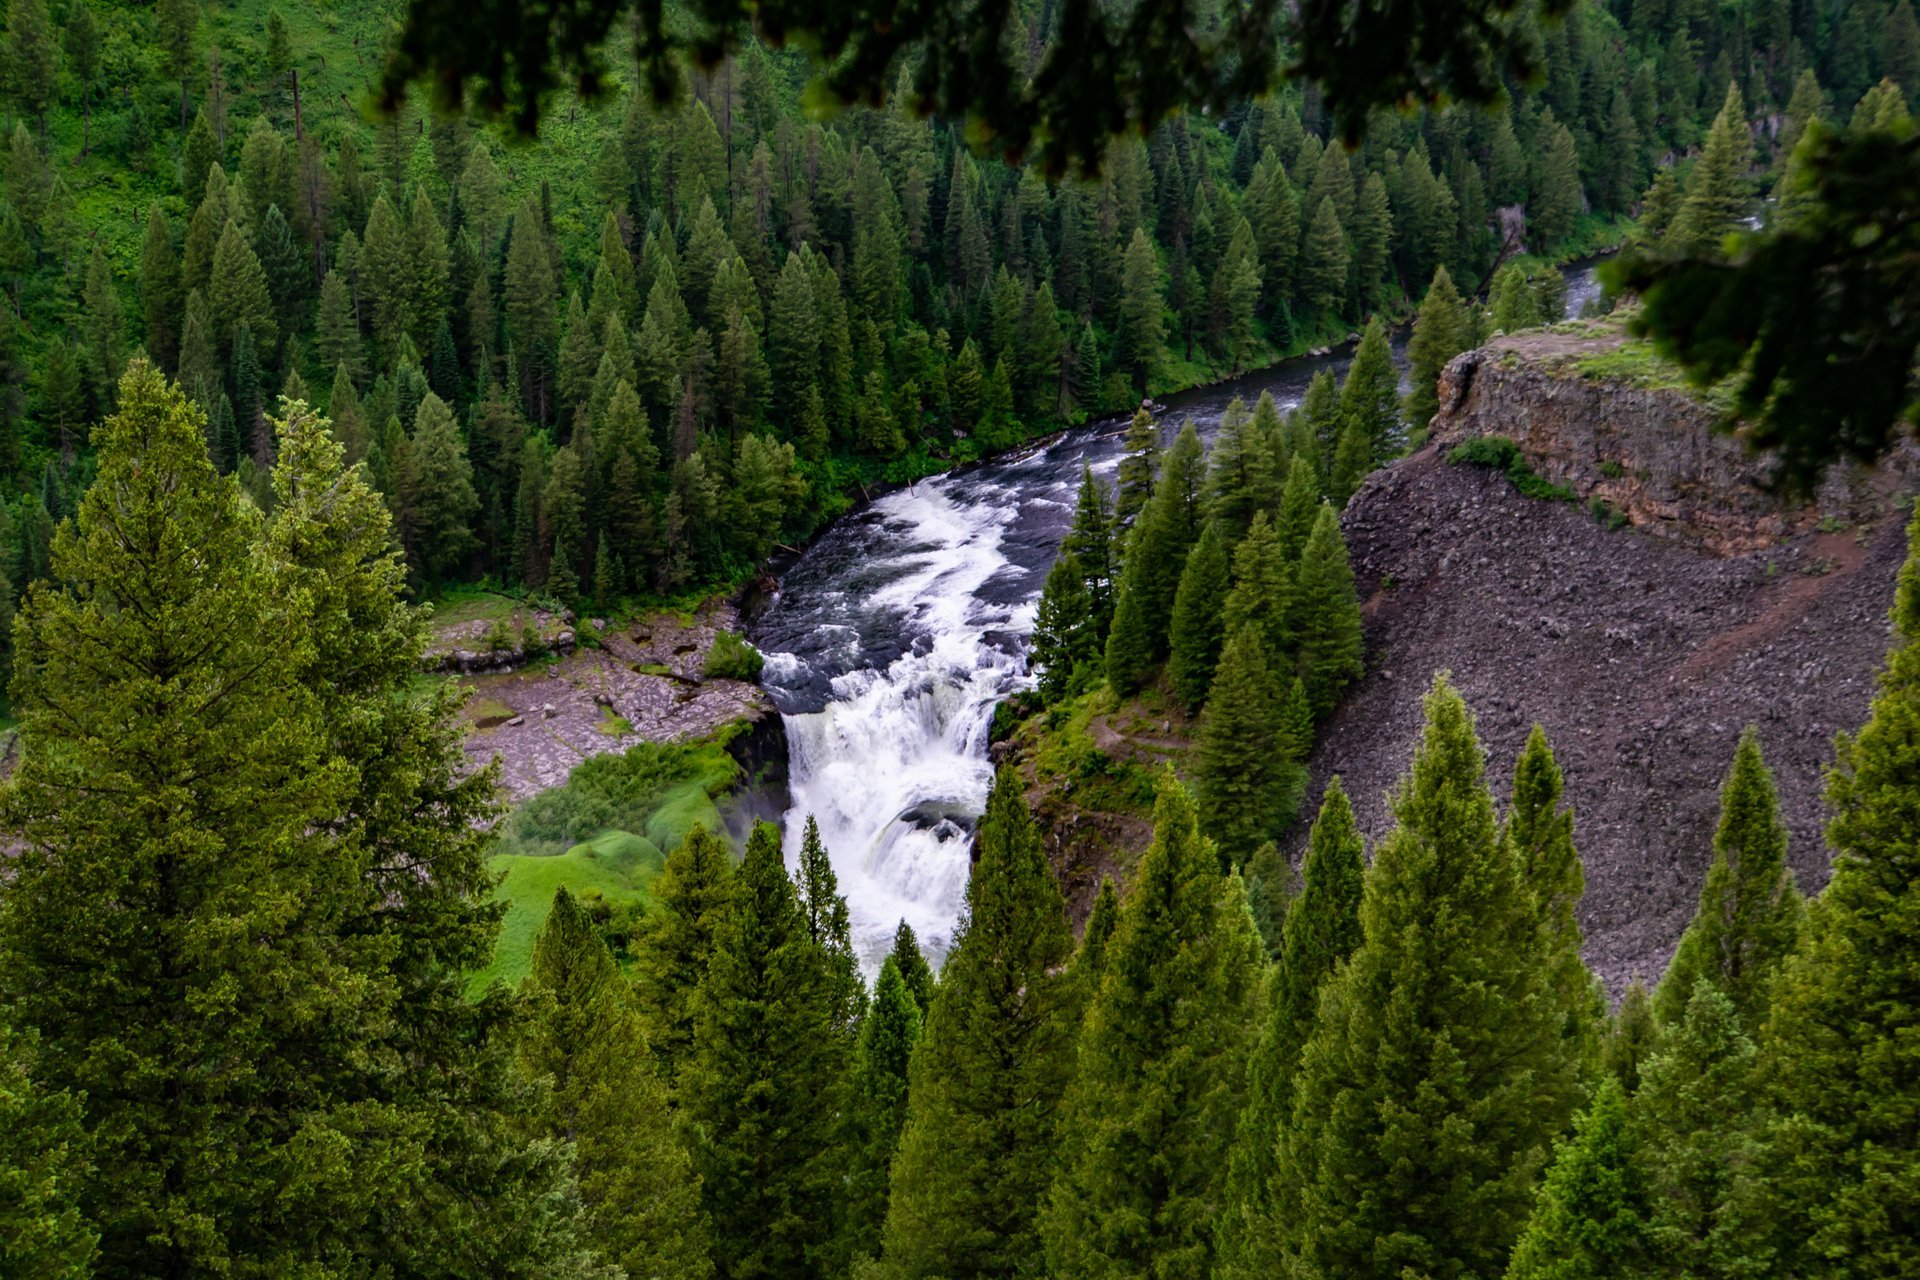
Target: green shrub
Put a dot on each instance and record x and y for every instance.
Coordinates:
(1501, 454)
(732, 658)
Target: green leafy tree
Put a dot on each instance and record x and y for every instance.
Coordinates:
(1715, 200)
(1748, 919)
(1063, 645)
(914, 969)
(1541, 833)
(1632, 1035)
(438, 493)
(1161, 1071)
(1262, 587)
(33, 58)
(975, 1158)
(1555, 198)
(1433, 1081)
(1138, 466)
(583, 1035)
(1694, 1108)
(1323, 261)
(1299, 509)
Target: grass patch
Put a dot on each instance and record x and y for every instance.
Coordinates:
(654, 788)
(1501, 454)
(1064, 751)
(614, 726)
(732, 658)
(613, 871)
(488, 712)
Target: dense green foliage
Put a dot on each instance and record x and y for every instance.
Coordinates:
(248, 1023)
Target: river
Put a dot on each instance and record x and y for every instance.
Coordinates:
(890, 640)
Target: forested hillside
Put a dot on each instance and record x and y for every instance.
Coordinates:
(276, 368)
(795, 306)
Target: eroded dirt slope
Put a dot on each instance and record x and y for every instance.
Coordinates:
(1641, 655)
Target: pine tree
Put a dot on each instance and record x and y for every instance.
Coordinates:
(1715, 199)
(1370, 396)
(42, 1167)
(102, 327)
(33, 58)
(1555, 199)
(1320, 411)
(1242, 472)
(1372, 241)
(1542, 837)
(1299, 508)
(1833, 1189)
(914, 969)
(1164, 535)
(1247, 790)
(237, 290)
(1432, 1082)
(829, 926)
(1323, 261)
(606, 1097)
(1140, 330)
(1591, 1219)
(694, 891)
(1161, 1072)
(1063, 645)
(205, 1086)
(1198, 627)
(1693, 1107)
(974, 1159)
(1631, 1037)
(1262, 587)
(1513, 306)
(1322, 929)
(1748, 919)
(160, 298)
(1324, 616)
(1138, 466)
(1439, 334)
(877, 1108)
(441, 500)
(764, 1083)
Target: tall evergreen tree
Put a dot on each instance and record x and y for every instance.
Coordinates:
(1748, 919)
(1432, 1082)
(1247, 788)
(1323, 261)
(694, 892)
(1198, 628)
(1715, 200)
(1161, 1071)
(42, 1168)
(974, 1160)
(1591, 1219)
(1439, 334)
(1138, 467)
(1834, 1191)
(1370, 395)
(914, 969)
(1322, 929)
(877, 1107)
(583, 1034)
(1140, 328)
(1542, 836)
(1323, 618)
(766, 1078)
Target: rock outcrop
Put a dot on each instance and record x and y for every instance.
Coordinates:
(1640, 443)
(1642, 650)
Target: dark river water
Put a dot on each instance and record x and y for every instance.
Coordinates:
(890, 640)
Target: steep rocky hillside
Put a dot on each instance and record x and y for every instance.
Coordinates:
(1642, 623)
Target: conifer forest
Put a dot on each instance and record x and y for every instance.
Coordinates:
(725, 641)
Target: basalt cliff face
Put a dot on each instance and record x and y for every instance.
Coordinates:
(1642, 633)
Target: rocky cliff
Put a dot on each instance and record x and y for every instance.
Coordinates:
(1641, 640)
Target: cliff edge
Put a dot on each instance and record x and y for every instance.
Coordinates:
(1666, 600)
